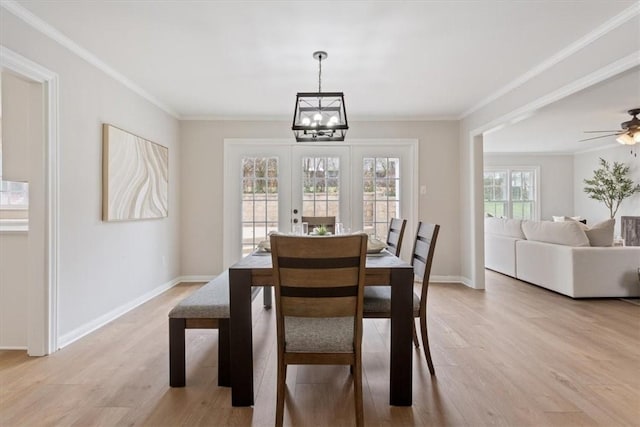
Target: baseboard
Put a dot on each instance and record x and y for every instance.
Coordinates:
(447, 279)
(195, 278)
(12, 347)
(467, 282)
(76, 334)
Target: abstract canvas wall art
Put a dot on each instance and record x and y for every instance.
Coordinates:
(135, 176)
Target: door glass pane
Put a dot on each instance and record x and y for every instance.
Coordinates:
(321, 189)
(380, 194)
(259, 200)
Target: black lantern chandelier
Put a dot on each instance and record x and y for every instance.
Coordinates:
(320, 116)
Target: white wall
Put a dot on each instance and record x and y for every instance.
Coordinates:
(202, 183)
(584, 165)
(13, 290)
(580, 67)
(16, 110)
(103, 267)
(556, 179)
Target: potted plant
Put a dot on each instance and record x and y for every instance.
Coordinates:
(321, 230)
(611, 185)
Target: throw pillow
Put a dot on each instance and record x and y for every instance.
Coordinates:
(601, 234)
(568, 233)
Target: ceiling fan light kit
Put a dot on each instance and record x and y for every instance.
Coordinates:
(320, 116)
(626, 139)
(630, 133)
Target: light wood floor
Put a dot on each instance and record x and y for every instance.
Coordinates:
(513, 355)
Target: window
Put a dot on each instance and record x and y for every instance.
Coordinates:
(14, 195)
(511, 192)
(321, 191)
(259, 200)
(381, 194)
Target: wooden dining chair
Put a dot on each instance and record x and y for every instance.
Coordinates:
(316, 221)
(395, 234)
(319, 286)
(377, 299)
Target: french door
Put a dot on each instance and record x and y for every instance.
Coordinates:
(321, 182)
(269, 185)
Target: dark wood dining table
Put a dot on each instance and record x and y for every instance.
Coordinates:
(382, 269)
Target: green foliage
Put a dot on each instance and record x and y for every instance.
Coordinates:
(321, 230)
(611, 185)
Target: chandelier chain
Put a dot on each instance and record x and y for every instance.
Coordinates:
(320, 74)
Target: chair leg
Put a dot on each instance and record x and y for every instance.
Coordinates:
(425, 343)
(224, 354)
(266, 297)
(282, 375)
(357, 388)
(415, 336)
(177, 369)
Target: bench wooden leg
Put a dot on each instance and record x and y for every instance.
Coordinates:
(176, 352)
(224, 354)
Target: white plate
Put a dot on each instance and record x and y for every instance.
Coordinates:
(375, 250)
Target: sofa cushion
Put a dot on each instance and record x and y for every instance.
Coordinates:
(568, 233)
(504, 227)
(567, 218)
(601, 234)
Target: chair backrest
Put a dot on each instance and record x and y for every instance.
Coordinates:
(316, 221)
(422, 255)
(319, 277)
(395, 234)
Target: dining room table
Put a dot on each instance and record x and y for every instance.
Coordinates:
(382, 269)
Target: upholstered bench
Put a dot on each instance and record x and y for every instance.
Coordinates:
(206, 308)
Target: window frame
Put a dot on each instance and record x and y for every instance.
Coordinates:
(509, 170)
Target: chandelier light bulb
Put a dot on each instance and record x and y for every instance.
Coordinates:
(636, 136)
(306, 121)
(317, 117)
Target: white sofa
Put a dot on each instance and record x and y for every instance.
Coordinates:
(574, 269)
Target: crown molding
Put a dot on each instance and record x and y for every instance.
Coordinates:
(603, 147)
(563, 54)
(288, 118)
(623, 64)
(38, 24)
(528, 153)
(552, 153)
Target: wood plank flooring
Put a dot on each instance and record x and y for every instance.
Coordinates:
(512, 355)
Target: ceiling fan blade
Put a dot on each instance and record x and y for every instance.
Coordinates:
(596, 137)
(601, 131)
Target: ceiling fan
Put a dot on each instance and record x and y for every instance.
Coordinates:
(628, 135)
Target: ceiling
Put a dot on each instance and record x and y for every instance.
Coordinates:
(392, 59)
(560, 126)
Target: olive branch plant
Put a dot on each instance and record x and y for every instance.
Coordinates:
(611, 184)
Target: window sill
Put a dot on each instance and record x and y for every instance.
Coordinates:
(14, 225)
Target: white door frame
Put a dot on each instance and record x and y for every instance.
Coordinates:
(42, 295)
(230, 233)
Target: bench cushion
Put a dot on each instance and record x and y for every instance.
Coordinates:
(377, 299)
(209, 302)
